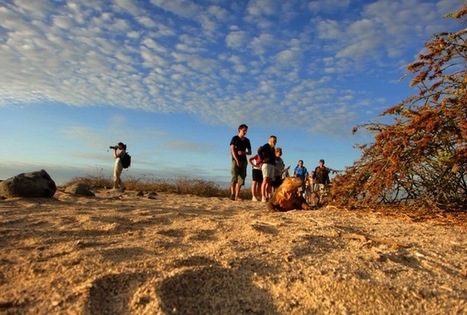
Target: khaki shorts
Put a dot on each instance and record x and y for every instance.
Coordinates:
(320, 188)
(268, 170)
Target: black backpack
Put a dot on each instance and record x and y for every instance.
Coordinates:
(126, 160)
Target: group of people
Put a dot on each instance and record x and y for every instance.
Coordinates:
(316, 183)
(268, 170)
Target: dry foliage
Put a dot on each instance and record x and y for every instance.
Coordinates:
(180, 185)
(419, 159)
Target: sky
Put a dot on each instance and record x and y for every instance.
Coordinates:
(173, 79)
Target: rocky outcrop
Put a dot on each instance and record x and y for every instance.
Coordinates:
(36, 184)
(79, 189)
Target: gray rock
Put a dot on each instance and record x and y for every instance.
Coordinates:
(79, 189)
(152, 195)
(36, 184)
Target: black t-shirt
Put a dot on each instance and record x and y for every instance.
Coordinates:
(241, 145)
(322, 175)
(267, 154)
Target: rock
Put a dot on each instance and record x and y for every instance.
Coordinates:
(152, 195)
(79, 189)
(36, 184)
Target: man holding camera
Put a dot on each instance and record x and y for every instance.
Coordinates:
(119, 151)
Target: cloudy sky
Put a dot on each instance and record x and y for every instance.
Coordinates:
(174, 78)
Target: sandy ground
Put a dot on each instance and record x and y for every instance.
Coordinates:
(128, 254)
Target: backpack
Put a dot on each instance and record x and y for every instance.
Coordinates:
(126, 160)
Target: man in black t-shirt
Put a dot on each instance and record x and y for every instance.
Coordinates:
(268, 155)
(240, 147)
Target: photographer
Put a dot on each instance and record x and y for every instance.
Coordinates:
(119, 151)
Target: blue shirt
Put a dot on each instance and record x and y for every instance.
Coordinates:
(301, 172)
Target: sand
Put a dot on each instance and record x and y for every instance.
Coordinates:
(119, 253)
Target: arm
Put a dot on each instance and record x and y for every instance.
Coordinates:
(261, 153)
(118, 154)
(233, 151)
(253, 158)
(248, 149)
(326, 179)
(295, 172)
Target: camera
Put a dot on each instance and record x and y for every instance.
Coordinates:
(113, 147)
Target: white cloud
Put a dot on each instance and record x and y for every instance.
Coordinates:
(236, 39)
(328, 6)
(258, 8)
(287, 56)
(128, 6)
(182, 8)
(264, 43)
(215, 61)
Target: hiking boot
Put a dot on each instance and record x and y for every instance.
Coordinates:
(232, 197)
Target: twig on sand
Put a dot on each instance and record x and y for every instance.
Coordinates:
(360, 237)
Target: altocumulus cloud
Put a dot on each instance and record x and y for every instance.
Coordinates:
(217, 61)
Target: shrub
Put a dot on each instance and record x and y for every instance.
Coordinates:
(182, 185)
(420, 159)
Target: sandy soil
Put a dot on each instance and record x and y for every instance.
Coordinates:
(128, 254)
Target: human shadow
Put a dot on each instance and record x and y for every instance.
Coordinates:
(206, 287)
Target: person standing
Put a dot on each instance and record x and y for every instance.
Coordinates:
(257, 176)
(279, 169)
(267, 153)
(240, 147)
(119, 152)
(301, 172)
(321, 180)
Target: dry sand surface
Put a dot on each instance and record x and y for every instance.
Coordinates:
(119, 253)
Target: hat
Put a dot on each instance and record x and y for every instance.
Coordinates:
(321, 160)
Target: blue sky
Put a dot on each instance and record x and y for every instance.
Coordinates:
(173, 79)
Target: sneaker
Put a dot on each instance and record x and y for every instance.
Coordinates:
(264, 199)
(254, 199)
(232, 197)
(237, 198)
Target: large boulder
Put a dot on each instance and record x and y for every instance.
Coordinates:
(28, 185)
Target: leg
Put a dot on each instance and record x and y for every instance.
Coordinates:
(233, 180)
(266, 188)
(241, 175)
(232, 190)
(117, 173)
(253, 188)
